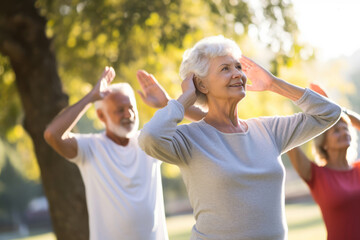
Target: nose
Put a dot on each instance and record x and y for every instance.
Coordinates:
(128, 113)
(238, 73)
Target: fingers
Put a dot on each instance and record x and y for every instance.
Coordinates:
(317, 89)
(108, 74)
(189, 77)
(141, 95)
(188, 82)
(246, 63)
(145, 79)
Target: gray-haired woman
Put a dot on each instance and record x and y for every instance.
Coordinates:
(232, 167)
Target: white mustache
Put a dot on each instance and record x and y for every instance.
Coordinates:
(127, 121)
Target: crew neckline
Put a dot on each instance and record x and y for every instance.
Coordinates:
(203, 122)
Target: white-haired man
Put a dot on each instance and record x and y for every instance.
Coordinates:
(123, 184)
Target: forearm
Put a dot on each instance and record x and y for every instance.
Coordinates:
(194, 113)
(157, 138)
(286, 89)
(65, 121)
(300, 163)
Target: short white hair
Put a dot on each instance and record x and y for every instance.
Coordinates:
(123, 88)
(197, 59)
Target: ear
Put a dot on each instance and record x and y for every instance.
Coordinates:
(101, 115)
(200, 85)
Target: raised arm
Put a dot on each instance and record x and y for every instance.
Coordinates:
(160, 137)
(57, 133)
(154, 95)
(263, 80)
(354, 117)
(300, 162)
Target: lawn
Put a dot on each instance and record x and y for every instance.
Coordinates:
(304, 221)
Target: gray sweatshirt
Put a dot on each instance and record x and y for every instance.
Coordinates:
(235, 181)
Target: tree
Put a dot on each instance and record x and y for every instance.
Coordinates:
(32, 59)
(45, 41)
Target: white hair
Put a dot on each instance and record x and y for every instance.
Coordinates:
(197, 59)
(123, 88)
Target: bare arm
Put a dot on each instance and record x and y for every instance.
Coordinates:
(154, 95)
(300, 162)
(57, 134)
(263, 80)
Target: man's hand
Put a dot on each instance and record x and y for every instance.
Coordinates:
(106, 78)
(152, 92)
(100, 89)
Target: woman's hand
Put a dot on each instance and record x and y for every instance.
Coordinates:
(261, 79)
(153, 94)
(188, 97)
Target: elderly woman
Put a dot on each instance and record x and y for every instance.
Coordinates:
(232, 167)
(334, 180)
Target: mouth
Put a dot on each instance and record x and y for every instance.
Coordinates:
(127, 122)
(238, 84)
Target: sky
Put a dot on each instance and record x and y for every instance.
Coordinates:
(332, 26)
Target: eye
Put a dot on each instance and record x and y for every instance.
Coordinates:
(239, 67)
(225, 68)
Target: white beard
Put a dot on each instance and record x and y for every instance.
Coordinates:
(121, 131)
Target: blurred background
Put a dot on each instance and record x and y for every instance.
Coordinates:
(52, 52)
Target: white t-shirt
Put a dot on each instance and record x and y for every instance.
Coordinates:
(123, 189)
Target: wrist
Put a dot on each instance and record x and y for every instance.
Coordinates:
(187, 99)
(93, 97)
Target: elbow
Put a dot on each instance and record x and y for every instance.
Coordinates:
(336, 114)
(49, 136)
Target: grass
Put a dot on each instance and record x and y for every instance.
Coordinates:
(304, 221)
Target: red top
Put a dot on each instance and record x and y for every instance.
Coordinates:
(338, 195)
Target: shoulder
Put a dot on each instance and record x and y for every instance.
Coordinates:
(89, 137)
(189, 127)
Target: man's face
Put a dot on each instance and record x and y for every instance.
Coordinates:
(120, 115)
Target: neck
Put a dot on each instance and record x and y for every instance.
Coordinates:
(116, 139)
(223, 115)
(337, 160)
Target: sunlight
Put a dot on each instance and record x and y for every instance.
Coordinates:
(329, 25)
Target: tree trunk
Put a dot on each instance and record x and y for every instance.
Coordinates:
(23, 40)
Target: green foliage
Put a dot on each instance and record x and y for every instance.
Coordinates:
(11, 112)
(150, 35)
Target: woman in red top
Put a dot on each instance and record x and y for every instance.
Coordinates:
(334, 181)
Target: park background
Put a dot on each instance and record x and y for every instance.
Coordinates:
(52, 52)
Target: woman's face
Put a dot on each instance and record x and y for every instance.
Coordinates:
(225, 79)
(338, 137)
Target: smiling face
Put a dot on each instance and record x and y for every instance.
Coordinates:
(119, 115)
(338, 137)
(224, 81)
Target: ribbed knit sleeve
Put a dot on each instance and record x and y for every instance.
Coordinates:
(319, 114)
(160, 138)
